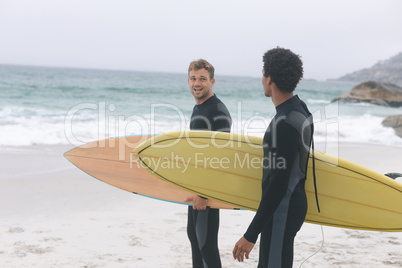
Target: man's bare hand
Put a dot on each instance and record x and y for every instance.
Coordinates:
(241, 249)
(199, 203)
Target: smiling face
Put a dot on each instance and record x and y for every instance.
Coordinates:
(200, 85)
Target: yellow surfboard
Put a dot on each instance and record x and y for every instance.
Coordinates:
(228, 168)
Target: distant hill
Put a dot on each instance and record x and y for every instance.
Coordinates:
(389, 71)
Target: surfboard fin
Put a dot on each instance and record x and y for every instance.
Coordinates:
(393, 175)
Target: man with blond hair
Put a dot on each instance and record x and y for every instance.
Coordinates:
(211, 114)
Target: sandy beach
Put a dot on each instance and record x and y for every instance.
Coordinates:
(54, 215)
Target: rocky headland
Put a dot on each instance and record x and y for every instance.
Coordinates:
(389, 71)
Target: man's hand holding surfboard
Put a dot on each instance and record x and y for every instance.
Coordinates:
(199, 203)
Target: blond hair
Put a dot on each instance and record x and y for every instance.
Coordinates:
(202, 64)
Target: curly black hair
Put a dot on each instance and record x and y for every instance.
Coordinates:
(284, 67)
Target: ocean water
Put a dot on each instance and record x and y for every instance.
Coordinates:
(49, 106)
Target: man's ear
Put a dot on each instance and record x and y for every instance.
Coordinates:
(269, 80)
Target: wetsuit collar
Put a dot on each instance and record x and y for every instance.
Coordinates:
(208, 100)
(284, 105)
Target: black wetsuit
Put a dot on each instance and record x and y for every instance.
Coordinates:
(283, 206)
(203, 225)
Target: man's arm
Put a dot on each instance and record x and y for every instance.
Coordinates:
(275, 191)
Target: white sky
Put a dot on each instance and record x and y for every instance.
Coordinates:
(333, 37)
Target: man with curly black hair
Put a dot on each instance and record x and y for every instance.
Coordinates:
(283, 205)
